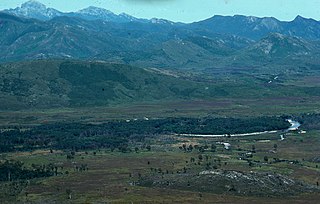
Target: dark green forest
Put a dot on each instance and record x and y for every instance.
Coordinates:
(118, 134)
(15, 170)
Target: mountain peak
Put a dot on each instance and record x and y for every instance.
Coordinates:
(96, 13)
(34, 5)
(303, 19)
(161, 21)
(279, 45)
(37, 10)
(298, 17)
(95, 10)
(34, 9)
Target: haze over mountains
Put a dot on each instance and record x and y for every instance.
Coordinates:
(219, 48)
(37, 10)
(103, 108)
(34, 31)
(246, 26)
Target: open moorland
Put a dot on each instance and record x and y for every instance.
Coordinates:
(147, 160)
(103, 108)
(132, 135)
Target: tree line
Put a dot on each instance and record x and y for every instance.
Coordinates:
(120, 134)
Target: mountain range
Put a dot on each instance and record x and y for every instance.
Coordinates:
(245, 26)
(248, 51)
(34, 31)
(37, 10)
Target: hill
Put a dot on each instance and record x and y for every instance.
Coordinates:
(46, 84)
(69, 83)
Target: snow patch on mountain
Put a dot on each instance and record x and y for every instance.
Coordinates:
(161, 21)
(34, 9)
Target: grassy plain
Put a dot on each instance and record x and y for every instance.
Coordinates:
(113, 177)
(227, 107)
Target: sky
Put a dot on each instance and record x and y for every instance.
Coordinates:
(189, 10)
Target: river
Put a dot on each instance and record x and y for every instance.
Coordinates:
(294, 126)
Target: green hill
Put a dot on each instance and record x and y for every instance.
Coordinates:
(67, 83)
(76, 83)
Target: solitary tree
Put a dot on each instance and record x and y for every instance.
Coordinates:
(213, 147)
(68, 191)
(253, 148)
(275, 146)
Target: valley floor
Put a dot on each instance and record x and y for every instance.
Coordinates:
(117, 177)
(225, 107)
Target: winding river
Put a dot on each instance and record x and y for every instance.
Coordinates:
(294, 126)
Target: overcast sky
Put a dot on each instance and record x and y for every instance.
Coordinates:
(189, 10)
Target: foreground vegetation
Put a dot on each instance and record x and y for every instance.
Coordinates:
(74, 131)
(118, 134)
(157, 166)
(90, 132)
(61, 84)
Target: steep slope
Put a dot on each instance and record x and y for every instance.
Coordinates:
(277, 45)
(34, 9)
(275, 54)
(245, 26)
(95, 13)
(37, 10)
(303, 27)
(63, 37)
(160, 44)
(250, 27)
(256, 28)
(134, 43)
